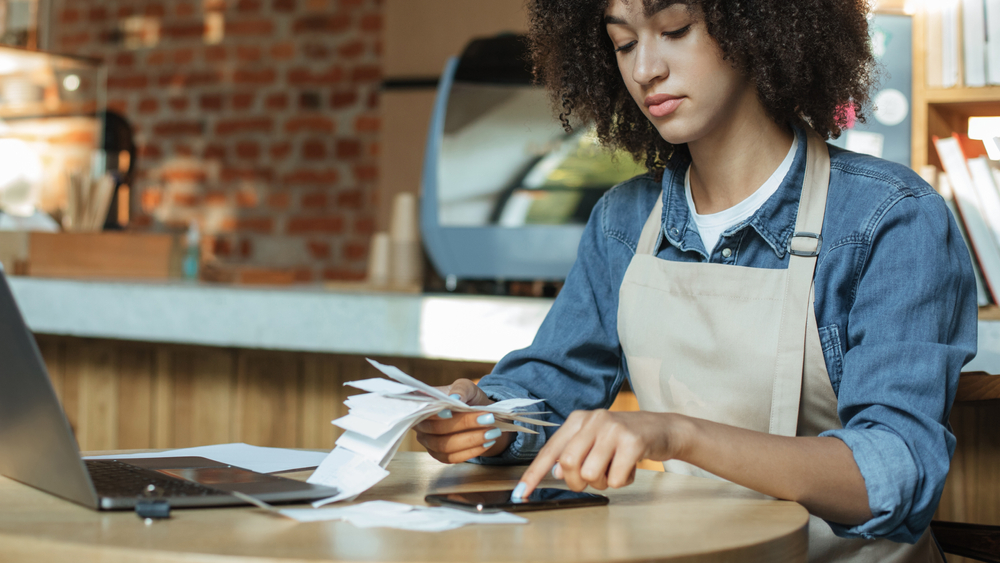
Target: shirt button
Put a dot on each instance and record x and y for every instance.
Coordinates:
(674, 231)
(726, 252)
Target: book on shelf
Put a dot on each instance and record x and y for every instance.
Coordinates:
(984, 238)
(992, 41)
(933, 41)
(951, 44)
(974, 42)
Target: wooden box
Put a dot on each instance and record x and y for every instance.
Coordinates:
(109, 255)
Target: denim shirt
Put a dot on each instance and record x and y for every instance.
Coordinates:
(895, 306)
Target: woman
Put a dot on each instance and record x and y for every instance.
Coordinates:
(792, 317)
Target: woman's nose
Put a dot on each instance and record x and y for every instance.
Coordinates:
(650, 64)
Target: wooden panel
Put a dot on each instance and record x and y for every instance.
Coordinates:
(135, 396)
(323, 395)
(163, 398)
(96, 372)
(104, 255)
(202, 409)
(972, 492)
(267, 389)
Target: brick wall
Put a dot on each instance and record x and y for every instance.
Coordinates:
(258, 119)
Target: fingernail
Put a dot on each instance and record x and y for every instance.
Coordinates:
(446, 413)
(489, 445)
(518, 492)
(486, 419)
(493, 434)
(557, 471)
(455, 396)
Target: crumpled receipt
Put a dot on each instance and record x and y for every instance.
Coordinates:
(385, 514)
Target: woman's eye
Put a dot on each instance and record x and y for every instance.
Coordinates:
(625, 48)
(677, 33)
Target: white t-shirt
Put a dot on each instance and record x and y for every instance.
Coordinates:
(711, 226)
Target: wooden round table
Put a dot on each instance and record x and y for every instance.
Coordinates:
(661, 517)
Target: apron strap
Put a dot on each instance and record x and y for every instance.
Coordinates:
(803, 249)
(651, 230)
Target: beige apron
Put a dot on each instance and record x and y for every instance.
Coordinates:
(740, 346)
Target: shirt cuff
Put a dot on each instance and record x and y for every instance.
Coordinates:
(890, 475)
(523, 449)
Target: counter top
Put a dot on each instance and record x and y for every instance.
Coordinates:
(310, 319)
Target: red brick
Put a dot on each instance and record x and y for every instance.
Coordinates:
(74, 40)
(366, 73)
(255, 224)
(249, 27)
(351, 3)
(185, 9)
(322, 23)
(248, 6)
(127, 81)
(97, 14)
(118, 105)
(246, 248)
(365, 173)
(124, 12)
(155, 11)
(210, 101)
(355, 251)
(371, 22)
(248, 150)
(303, 275)
(339, 274)
(179, 128)
(178, 104)
(306, 77)
(315, 124)
(374, 149)
(347, 98)
(276, 101)
(248, 53)
(246, 174)
(280, 150)
(214, 152)
(125, 59)
(150, 198)
(216, 197)
(259, 77)
(278, 200)
(192, 79)
(367, 124)
(348, 149)
(214, 5)
(156, 58)
(150, 151)
(148, 105)
(283, 51)
(283, 5)
(315, 50)
(244, 125)
(351, 50)
(183, 175)
(314, 200)
(183, 56)
(314, 149)
(373, 100)
(216, 53)
(183, 149)
(318, 249)
(247, 199)
(222, 247)
(353, 199)
(377, 49)
(183, 30)
(186, 199)
(321, 224)
(306, 176)
(243, 100)
(69, 15)
(364, 226)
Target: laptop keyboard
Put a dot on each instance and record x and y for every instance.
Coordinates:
(114, 478)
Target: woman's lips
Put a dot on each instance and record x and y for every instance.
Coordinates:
(662, 105)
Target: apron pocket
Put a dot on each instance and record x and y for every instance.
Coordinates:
(829, 338)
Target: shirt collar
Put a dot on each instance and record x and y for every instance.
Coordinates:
(774, 221)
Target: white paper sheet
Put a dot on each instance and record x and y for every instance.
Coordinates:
(254, 458)
(384, 514)
(349, 472)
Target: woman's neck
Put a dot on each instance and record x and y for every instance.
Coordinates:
(731, 163)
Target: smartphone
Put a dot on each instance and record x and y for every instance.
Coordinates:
(497, 501)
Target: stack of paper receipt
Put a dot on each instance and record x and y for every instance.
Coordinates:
(379, 420)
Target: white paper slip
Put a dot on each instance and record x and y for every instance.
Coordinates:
(254, 458)
(384, 514)
(377, 449)
(397, 374)
(381, 386)
(351, 473)
(382, 409)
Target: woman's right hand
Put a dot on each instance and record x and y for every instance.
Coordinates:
(457, 437)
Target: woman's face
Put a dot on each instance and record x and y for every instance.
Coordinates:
(674, 70)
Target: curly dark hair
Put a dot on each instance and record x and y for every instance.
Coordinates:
(810, 60)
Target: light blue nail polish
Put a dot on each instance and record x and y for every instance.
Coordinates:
(486, 419)
(489, 445)
(493, 434)
(446, 413)
(518, 492)
(455, 396)
(554, 469)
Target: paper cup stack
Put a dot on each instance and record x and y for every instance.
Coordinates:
(395, 258)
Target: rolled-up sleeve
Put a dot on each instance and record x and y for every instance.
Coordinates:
(911, 328)
(574, 361)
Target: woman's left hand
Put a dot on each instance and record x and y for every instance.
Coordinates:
(600, 449)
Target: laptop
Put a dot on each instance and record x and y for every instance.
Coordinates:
(37, 446)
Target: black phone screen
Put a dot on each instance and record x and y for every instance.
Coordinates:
(496, 501)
